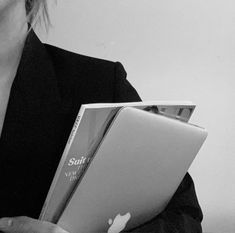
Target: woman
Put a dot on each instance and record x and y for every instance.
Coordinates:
(41, 90)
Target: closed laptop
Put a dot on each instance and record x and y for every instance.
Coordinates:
(135, 171)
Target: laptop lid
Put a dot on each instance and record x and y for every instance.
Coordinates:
(134, 173)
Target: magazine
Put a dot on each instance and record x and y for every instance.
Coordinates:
(89, 128)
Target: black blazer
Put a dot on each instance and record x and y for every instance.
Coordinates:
(49, 87)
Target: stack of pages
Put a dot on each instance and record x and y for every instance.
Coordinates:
(88, 133)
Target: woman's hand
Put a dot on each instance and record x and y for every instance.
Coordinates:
(28, 225)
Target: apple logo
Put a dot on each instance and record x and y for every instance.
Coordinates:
(119, 223)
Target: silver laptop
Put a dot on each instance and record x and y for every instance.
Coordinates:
(134, 173)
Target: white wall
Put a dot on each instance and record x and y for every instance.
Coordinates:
(172, 50)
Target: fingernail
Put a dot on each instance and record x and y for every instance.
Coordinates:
(5, 222)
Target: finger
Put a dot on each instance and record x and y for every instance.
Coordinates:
(28, 225)
(4, 223)
(16, 224)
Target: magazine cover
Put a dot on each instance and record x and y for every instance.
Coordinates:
(88, 130)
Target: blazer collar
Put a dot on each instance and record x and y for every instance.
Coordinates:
(34, 97)
(35, 78)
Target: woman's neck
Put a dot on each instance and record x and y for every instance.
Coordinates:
(13, 31)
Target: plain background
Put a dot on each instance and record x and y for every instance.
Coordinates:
(172, 50)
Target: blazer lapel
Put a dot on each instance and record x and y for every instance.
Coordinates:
(34, 105)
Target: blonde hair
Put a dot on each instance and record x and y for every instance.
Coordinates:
(37, 12)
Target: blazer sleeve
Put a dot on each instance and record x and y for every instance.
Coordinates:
(183, 213)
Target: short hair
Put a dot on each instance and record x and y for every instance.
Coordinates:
(37, 12)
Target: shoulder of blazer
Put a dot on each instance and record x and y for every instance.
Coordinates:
(79, 72)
